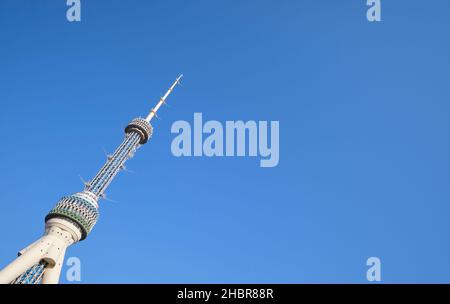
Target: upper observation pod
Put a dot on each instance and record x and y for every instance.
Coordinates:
(142, 127)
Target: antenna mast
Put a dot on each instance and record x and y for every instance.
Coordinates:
(162, 100)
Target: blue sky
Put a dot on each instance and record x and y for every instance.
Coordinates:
(364, 151)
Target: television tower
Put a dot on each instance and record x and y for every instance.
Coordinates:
(73, 217)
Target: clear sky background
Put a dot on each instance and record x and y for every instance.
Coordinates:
(364, 137)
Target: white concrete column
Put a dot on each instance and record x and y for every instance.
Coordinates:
(29, 258)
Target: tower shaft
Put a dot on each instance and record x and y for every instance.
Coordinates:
(114, 164)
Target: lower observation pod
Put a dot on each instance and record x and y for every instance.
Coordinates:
(74, 216)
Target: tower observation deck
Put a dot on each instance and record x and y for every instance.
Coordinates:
(74, 216)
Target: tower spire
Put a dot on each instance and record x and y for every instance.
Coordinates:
(162, 100)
